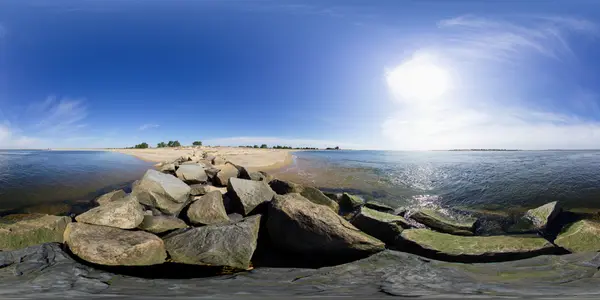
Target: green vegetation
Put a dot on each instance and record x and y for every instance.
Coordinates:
(264, 146)
(336, 148)
(197, 143)
(141, 146)
(161, 145)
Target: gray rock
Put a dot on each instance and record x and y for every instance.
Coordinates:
(161, 224)
(24, 230)
(202, 189)
(337, 197)
(218, 161)
(167, 168)
(297, 225)
(350, 202)
(110, 197)
(544, 214)
(475, 248)
(581, 236)
(246, 195)
(216, 245)
(211, 172)
(462, 225)
(111, 246)
(282, 187)
(317, 197)
(222, 177)
(209, 209)
(162, 191)
(256, 176)
(126, 213)
(383, 226)
(192, 173)
(235, 217)
(380, 207)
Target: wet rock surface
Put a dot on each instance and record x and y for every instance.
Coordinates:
(443, 223)
(20, 231)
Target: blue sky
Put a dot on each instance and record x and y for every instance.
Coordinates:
(302, 73)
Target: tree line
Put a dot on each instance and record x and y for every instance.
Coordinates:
(163, 145)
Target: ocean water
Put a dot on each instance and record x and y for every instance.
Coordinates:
(60, 181)
(495, 181)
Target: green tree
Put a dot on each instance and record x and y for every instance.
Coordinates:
(255, 146)
(176, 144)
(263, 146)
(197, 143)
(170, 144)
(141, 146)
(161, 145)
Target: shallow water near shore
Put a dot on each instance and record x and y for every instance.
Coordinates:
(60, 182)
(494, 182)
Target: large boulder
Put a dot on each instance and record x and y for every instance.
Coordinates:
(297, 225)
(380, 207)
(209, 209)
(161, 224)
(581, 236)
(218, 161)
(474, 248)
(350, 202)
(543, 215)
(247, 195)
(460, 225)
(227, 171)
(167, 168)
(162, 191)
(20, 231)
(192, 173)
(282, 187)
(383, 226)
(111, 246)
(110, 197)
(216, 245)
(257, 176)
(317, 197)
(126, 213)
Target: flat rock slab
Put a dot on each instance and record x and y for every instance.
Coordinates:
(164, 192)
(383, 226)
(110, 197)
(226, 171)
(474, 248)
(297, 225)
(208, 209)
(380, 207)
(111, 246)
(216, 245)
(581, 236)
(443, 223)
(20, 231)
(191, 173)
(126, 213)
(246, 195)
(47, 272)
(544, 214)
(161, 224)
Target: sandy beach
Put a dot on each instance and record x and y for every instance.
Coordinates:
(253, 159)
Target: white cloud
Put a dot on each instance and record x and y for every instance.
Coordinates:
(58, 116)
(273, 141)
(10, 138)
(148, 126)
(502, 39)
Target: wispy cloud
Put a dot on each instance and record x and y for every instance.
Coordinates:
(501, 39)
(59, 116)
(148, 126)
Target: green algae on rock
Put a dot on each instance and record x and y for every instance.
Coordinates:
(475, 248)
(20, 231)
(544, 214)
(443, 223)
(350, 202)
(581, 236)
(383, 226)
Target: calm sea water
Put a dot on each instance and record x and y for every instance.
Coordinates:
(56, 181)
(478, 180)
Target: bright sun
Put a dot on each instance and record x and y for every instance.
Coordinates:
(418, 79)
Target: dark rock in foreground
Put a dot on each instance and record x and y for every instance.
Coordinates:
(297, 225)
(216, 245)
(350, 202)
(46, 271)
(443, 223)
(474, 248)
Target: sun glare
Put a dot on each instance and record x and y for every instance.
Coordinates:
(418, 79)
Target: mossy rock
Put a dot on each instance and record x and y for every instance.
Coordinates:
(24, 230)
(317, 197)
(544, 214)
(350, 202)
(581, 236)
(379, 207)
(443, 223)
(475, 248)
(383, 226)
